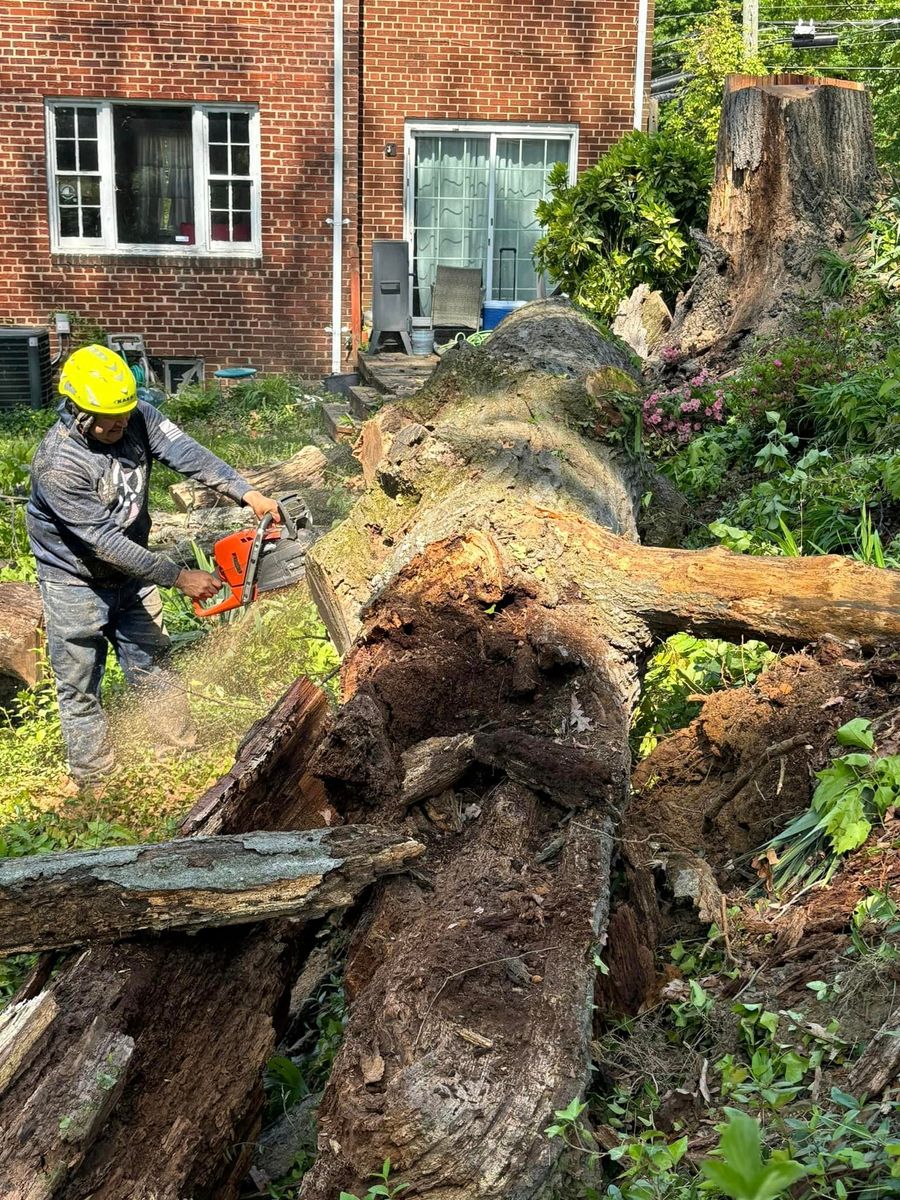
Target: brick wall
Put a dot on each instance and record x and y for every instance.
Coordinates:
(516, 60)
(512, 60)
(274, 53)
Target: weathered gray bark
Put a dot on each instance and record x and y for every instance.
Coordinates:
(305, 469)
(52, 901)
(795, 169)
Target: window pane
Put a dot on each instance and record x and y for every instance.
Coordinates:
(240, 160)
(240, 195)
(218, 195)
(67, 191)
(241, 227)
(65, 122)
(87, 122)
(90, 191)
(87, 156)
(520, 182)
(68, 222)
(65, 156)
(220, 229)
(90, 219)
(154, 166)
(218, 160)
(240, 127)
(451, 208)
(218, 127)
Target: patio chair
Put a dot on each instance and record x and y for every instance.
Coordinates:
(457, 296)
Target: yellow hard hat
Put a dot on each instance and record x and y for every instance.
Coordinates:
(97, 380)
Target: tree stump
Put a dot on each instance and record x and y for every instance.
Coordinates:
(21, 638)
(795, 170)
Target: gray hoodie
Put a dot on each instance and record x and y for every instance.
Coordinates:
(88, 520)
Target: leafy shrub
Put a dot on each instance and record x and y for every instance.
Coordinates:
(859, 408)
(625, 221)
(854, 792)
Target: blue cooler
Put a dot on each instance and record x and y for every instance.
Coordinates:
(494, 312)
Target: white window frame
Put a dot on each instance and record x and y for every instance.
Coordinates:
(495, 130)
(203, 245)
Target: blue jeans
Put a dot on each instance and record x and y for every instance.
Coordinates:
(81, 620)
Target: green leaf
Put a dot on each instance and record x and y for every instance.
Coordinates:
(857, 732)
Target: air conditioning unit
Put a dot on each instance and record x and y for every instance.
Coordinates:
(26, 375)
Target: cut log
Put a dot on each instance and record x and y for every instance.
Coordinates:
(21, 637)
(203, 1013)
(305, 469)
(72, 898)
(795, 170)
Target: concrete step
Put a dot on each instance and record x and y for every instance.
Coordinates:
(340, 424)
(364, 401)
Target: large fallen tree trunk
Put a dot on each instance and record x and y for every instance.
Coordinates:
(72, 898)
(795, 170)
(142, 1077)
(498, 610)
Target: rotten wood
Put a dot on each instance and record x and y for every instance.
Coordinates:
(21, 637)
(72, 898)
(745, 777)
(203, 1012)
(305, 469)
(879, 1064)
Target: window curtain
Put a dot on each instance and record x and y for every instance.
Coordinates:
(451, 209)
(521, 181)
(164, 183)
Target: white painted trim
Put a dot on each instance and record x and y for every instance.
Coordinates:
(337, 206)
(640, 65)
(494, 130)
(203, 246)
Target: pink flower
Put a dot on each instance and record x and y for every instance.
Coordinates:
(708, 411)
(776, 362)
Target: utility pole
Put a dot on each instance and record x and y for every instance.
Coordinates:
(751, 26)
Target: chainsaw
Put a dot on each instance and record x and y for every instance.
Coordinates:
(263, 559)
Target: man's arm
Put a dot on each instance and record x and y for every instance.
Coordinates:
(75, 503)
(172, 446)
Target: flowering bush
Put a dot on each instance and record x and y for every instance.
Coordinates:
(672, 417)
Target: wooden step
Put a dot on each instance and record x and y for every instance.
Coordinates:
(340, 424)
(364, 401)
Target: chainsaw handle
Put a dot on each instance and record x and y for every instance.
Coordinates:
(226, 605)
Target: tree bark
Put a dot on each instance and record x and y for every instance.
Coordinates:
(189, 1021)
(795, 169)
(21, 637)
(55, 900)
(305, 469)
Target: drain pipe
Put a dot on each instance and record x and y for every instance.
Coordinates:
(337, 213)
(640, 63)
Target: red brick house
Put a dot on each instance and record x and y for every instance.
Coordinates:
(175, 168)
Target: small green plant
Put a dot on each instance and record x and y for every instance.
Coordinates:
(839, 274)
(853, 792)
(775, 453)
(383, 1187)
(740, 1171)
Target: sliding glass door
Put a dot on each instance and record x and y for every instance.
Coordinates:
(471, 198)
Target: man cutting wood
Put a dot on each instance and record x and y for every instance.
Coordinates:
(88, 524)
